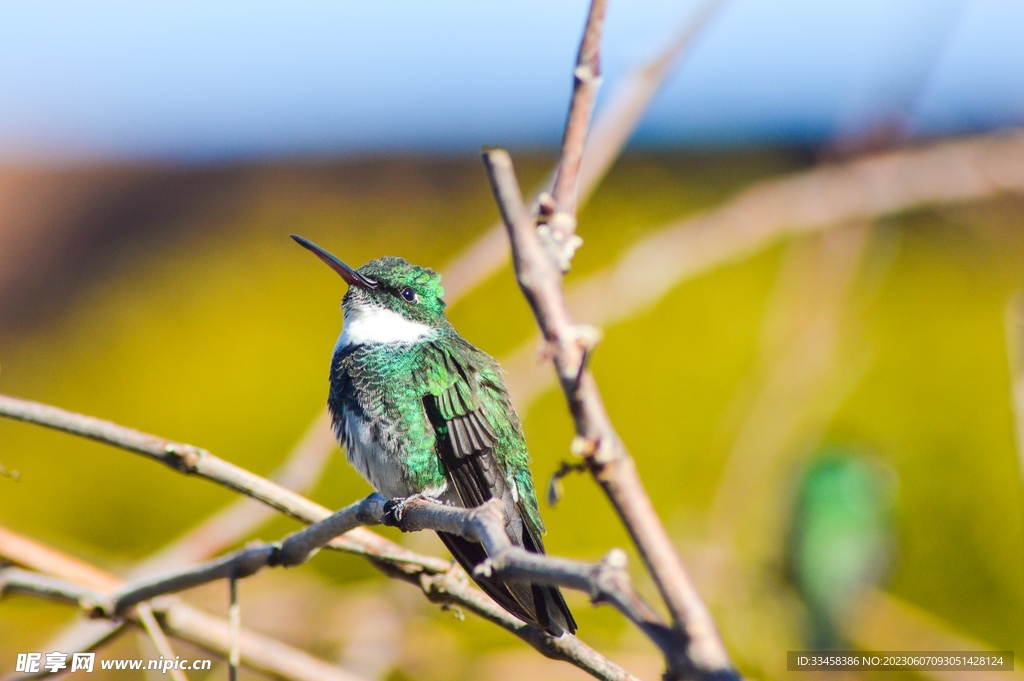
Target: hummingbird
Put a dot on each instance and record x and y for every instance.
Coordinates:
(423, 413)
(840, 542)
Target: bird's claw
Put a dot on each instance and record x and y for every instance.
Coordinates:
(395, 508)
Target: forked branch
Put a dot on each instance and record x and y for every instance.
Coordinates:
(605, 582)
(540, 257)
(699, 650)
(192, 460)
(437, 578)
(177, 619)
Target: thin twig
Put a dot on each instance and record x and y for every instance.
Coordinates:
(256, 651)
(613, 126)
(559, 233)
(235, 622)
(454, 588)
(701, 651)
(156, 635)
(629, 101)
(1014, 330)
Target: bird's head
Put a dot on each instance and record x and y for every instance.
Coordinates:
(388, 284)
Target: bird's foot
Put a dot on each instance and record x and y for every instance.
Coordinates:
(395, 508)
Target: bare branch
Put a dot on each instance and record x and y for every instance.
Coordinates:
(234, 626)
(177, 618)
(701, 651)
(613, 127)
(26, 552)
(389, 557)
(451, 587)
(258, 652)
(561, 226)
(199, 462)
(952, 171)
(628, 102)
(800, 203)
(301, 470)
(605, 582)
(156, 634)
(454, 588)
(293, 550)
(1014, 329)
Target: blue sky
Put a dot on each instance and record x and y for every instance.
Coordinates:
(208, 80)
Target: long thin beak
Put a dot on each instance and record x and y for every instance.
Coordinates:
(346, 272)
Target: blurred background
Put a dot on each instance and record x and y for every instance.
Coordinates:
(806, 263)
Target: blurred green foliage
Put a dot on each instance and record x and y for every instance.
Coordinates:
(222, 338)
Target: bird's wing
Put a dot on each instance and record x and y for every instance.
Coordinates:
(466, 438)
(476, 433)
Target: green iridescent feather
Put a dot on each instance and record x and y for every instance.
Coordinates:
(462, 379)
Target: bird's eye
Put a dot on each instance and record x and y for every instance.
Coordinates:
(408, 294)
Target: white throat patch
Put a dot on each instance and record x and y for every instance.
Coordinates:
(367, 325)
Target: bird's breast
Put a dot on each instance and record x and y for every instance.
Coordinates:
(370, 457)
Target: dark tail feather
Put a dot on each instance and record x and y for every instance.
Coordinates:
(558, 615)
(541, 606)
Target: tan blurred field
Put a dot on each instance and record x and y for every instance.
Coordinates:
(171, 300)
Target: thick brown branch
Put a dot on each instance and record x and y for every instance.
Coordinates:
(700, 649)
